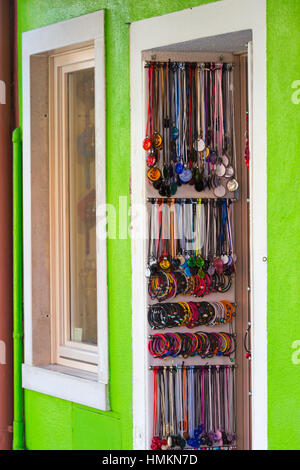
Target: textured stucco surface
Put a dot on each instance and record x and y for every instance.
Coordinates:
(283, 128)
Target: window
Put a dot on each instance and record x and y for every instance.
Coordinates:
(73, 210)
(65, 284)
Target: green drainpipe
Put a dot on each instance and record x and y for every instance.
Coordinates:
(18, 426)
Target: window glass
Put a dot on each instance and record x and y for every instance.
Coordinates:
(82, 206)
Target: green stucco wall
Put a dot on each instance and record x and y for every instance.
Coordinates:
(51, 423)
(283, 128)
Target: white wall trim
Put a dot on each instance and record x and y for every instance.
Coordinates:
(68, 387)
(222, 17)
(85, 29)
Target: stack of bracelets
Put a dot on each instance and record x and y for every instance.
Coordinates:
(190, 132)
(205, 345)
(194, 406)
(166, 285)
(190, 314)
(190, 250)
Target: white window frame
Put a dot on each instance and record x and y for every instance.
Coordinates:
(63, 351)
(79, 386)
(221, 17)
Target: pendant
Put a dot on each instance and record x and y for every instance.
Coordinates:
(191, 262)
(224, 259)
(199, 186)
(154, 174)
(211, 270)
(219, 191)
(229, 172)
(218, 265)
(157, 184)
(213, 157)
(181, 260)
(174, 133)
(147, 144)
(201, 273)
(151, 160)
(232, 185)
(230, 261)
(199, 145)
(186, 175)
(152, 261)
(157, 140)
(179, 168)
(165, 263)
(199, 261)
(187, 271)
(220, 169)
(173, 188)
(225, 160)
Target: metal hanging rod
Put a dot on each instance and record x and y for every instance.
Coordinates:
(205, 366)
(188, 200)
(187, 56)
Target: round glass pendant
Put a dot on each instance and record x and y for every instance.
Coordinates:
(165, 263)
(229, 172)
(147, 144)
(186, 175)
(181, 259)
(211, 270)
(218, 264)
(191, 262)
(157, 140)
(154, 174)
(179, 168)
(199, 261)
(225, 160)
(220, 169)
(232, 185)
(200, 145)
(224, 259)
(219, 191)
(151, 160)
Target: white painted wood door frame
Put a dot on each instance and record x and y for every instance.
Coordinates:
(225, 16)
